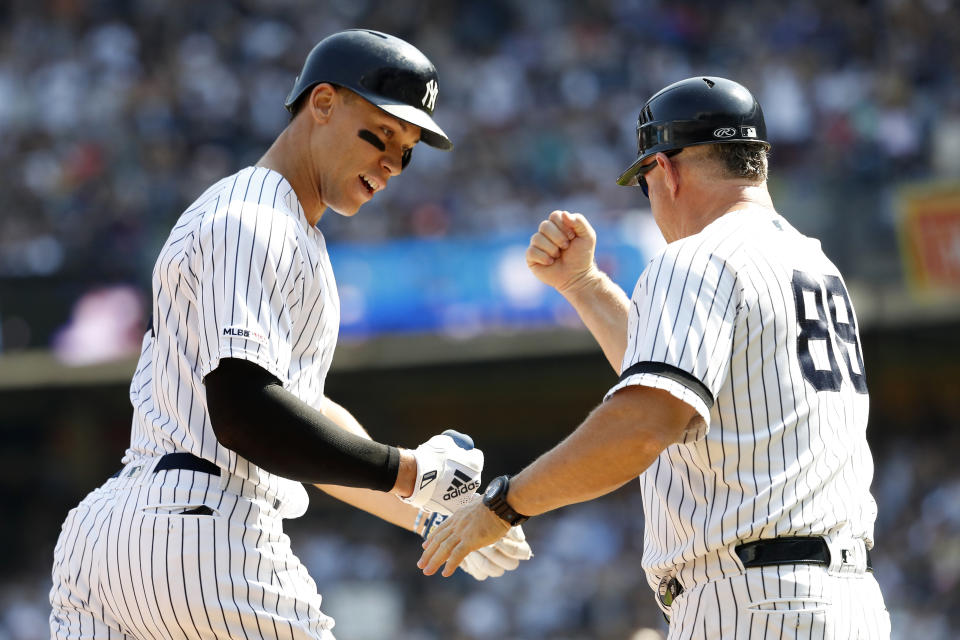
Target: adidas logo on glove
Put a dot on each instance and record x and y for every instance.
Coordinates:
(447, 460)
(461, 484)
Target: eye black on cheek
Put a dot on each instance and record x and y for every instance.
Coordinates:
(371, 137)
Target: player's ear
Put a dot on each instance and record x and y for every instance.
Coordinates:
(322, 98)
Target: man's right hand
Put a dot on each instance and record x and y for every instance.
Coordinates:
(492, 560)
(561, 251)
(448, 474)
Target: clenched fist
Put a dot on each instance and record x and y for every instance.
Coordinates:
(561, 251)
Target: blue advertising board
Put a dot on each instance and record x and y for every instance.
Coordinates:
(465, 286)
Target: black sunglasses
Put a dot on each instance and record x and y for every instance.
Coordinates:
(644, 169)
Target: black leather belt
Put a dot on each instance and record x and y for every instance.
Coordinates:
(790, 550)
(764, 553)
(185, 461)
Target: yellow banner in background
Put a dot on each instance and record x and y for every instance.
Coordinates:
(929, 224)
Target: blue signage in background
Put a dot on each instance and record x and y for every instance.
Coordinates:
(467, 286)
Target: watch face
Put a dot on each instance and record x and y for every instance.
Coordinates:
(494, 488)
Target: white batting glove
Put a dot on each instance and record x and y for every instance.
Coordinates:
(503, 555)
(493, 560)
(448, 473)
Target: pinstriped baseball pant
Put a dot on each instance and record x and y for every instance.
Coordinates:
(130, 564)
(785, 601)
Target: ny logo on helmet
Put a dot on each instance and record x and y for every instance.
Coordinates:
(724, 132)
(430, 96)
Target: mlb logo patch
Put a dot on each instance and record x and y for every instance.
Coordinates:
(245, 333)
(748, 132)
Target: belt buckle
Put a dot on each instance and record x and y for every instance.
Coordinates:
(848, 556)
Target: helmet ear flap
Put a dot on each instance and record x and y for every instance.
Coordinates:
(405, 158)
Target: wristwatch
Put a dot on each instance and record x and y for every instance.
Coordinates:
(495, 498)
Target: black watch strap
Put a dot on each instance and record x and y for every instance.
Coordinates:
(495, 498)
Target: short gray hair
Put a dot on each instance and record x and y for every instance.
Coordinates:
(741, 159)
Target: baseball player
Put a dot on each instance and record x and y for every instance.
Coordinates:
(741, 401)
(230, 417)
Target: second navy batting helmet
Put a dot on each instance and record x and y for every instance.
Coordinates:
(701, 110)
(385, 70)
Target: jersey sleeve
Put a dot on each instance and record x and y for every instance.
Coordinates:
(248, 271)
(680, 328)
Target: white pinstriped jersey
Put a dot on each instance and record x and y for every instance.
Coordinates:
(750, 323)
(242, 275)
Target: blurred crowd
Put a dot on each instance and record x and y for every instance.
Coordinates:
(115, 114)
(584, 581)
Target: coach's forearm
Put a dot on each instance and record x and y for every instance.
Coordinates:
(604, 309)
(617, 442)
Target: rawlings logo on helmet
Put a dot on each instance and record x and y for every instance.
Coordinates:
(724, 132)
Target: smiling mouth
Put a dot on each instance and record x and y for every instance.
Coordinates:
(368, 184)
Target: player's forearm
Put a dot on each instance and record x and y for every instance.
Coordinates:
(253, 415)
(604, 308)
(343, 418)
(617, 442)
(383, 505)
(377, 503)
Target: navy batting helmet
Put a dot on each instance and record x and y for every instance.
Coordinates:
(701, 110)
(387, 71)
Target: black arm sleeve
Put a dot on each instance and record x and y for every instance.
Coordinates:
(252, 414)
